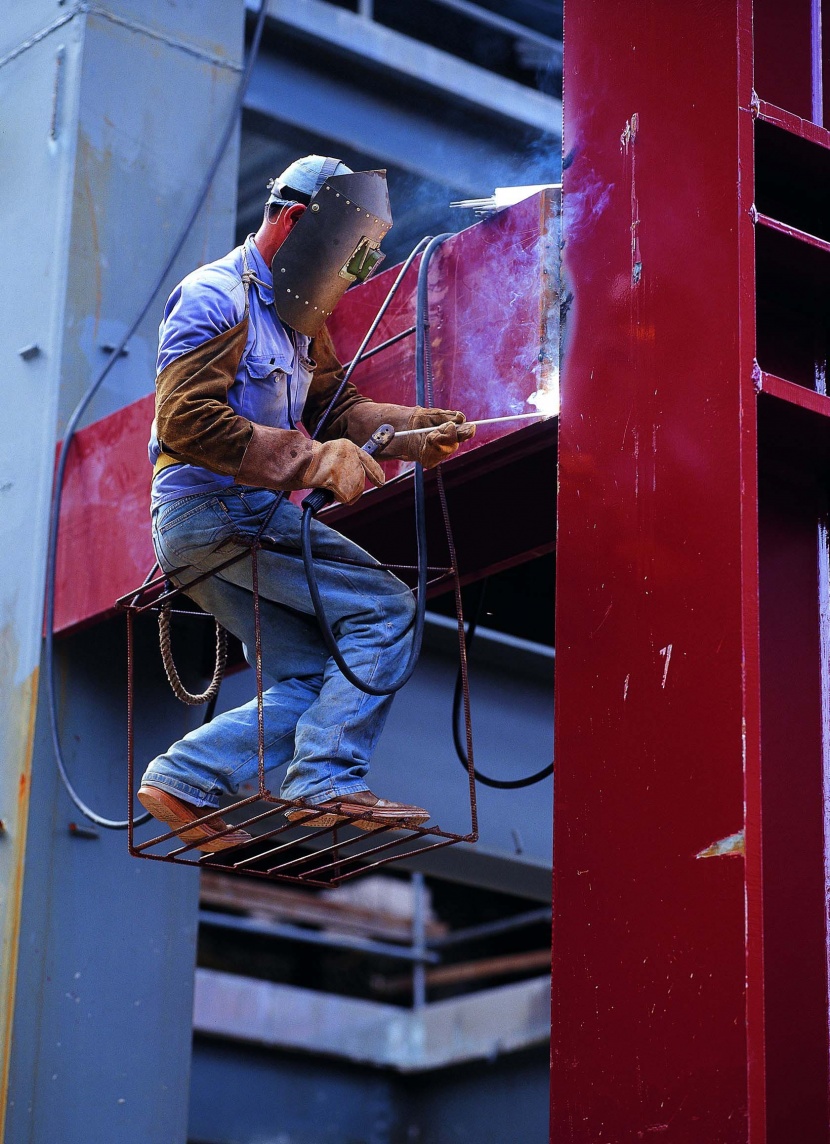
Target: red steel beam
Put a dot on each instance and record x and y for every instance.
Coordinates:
(657, 972)
(495, 322)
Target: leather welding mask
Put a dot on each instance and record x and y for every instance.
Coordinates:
(334, 243)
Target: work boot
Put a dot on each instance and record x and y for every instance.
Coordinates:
(174, 812)
(382, 812)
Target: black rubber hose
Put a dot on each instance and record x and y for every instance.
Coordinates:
(78, 412)
(485, 780)
(421, 323)
(417, 628)
(352, 366)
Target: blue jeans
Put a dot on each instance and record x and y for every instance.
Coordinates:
(322, 727)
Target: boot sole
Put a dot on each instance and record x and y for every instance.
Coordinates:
(303, 818)
(157, 804)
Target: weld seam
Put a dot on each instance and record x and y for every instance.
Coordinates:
(86, 9)
(38, 36)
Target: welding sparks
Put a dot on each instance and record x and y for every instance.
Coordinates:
(546, 397)
(503, 197)
(540, 416)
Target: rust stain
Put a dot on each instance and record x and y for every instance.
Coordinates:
(547, 364)
(734, 845)
(20, 733)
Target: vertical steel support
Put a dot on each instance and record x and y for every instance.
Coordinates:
(39, 89)
(419, 940)
(657, 1023)
(111, 114)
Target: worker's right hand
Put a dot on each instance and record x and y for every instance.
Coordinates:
(341, 467)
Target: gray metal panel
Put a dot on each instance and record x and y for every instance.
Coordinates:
(244, 1095)
(211, 30)
(513, 736)
(139, 163)
(26, 22)
(183, 23)
(107, 943)
(98, 174)
(503, 1101)
(38, 93)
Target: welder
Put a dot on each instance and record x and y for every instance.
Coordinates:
(245, 364)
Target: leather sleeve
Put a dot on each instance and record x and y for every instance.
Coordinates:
(195, 424)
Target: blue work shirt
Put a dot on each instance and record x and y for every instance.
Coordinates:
(274, 372)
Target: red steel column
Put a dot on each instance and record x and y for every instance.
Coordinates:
(657, 1026)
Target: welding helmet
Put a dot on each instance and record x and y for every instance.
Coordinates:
(334, 243)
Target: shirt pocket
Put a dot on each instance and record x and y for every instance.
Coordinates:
(265, 400)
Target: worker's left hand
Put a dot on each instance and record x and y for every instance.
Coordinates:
(431, 448)
(364, 417)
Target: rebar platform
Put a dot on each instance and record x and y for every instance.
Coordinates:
(278, 849)
(323, 857)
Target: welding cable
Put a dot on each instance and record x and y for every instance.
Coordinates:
(417, 628)
(420, 611)
(350, 368)
(485, 780)
(80, 408)
(461, 692)
(209, 713)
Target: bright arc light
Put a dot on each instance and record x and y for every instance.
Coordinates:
(546, 398)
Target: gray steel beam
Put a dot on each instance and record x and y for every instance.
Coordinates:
(490, 929)
(479, 1026)
(404, 58)
(96, 972)
(292, 92)
(38, 87)
(503, 24)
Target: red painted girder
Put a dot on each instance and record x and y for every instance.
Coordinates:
(104, 546)
(789, 121)
(657, 727)
(494, 310)
(494, 313)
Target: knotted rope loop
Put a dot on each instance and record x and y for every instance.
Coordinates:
(173, 678)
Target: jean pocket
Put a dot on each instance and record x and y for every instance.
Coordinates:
(205, 524)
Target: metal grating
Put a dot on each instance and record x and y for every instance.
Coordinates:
(278, 849)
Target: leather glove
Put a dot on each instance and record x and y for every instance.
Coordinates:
(341, 467)
(431, 448)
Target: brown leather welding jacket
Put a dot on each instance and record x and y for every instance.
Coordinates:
(196, 425)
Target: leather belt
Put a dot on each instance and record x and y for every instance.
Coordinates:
(164, 462)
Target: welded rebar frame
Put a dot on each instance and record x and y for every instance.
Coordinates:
(331, 859)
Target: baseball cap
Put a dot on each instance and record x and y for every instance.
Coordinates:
(307, 175)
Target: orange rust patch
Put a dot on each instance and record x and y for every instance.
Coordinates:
(21, 699)
(734, 845)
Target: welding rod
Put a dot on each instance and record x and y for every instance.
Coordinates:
(485, 421)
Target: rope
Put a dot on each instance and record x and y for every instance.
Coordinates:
(193, 699)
